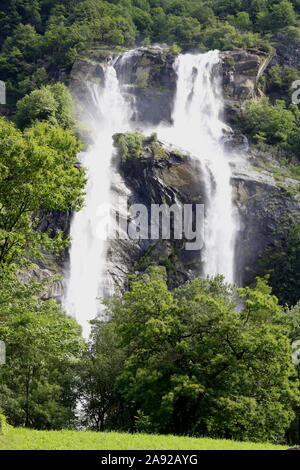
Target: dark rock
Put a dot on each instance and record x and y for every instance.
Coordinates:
(286, 55)
(151, 78)
(52, 221)
(264, 206)
(174, 179)
(147, 76)
(241, 72)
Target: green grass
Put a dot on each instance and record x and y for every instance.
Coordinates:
(25, 439)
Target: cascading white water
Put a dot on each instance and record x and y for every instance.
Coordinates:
(197, 128)
(108, 113)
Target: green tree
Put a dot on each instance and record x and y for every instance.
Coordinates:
(159, 25)
(196, 366)
(36, 80)
(52, 103)
(38, 173)
(143, 21)
(243, 21)
(273, 124)
(280, 80)
(184, 31)
(281, 261)
(43, 348)
(101, 364)
(282, 15)
(225, 36)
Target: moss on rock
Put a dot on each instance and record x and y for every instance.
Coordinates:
(137, 146)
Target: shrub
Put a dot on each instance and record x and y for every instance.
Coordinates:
(52, 103)
(264, 122)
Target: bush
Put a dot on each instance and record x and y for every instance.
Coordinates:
(271, 124)
(280, 80)
(52, 103)
(143, 424)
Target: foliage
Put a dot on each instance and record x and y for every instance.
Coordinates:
(275, 124)
(264, 122)
(2, 423)
(101, 363)
(37, 173)
(280, 79)
(52, 103)
(40, 39)
(137, 146)
(195, 366)
(281, 261)
(129, 145)
(43, 347)
(224, 36)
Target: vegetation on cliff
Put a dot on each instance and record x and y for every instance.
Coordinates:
(137, 146)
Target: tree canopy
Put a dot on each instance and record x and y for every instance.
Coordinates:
(188, 363)
(41, 38)
(38, 173)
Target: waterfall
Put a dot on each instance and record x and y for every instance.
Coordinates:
(108, 113)
(198, 128)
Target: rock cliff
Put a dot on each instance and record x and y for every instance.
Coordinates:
(263, 206)
(263, 203)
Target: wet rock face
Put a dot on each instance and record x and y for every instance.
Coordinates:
(263, 208)
(147, 75)
(175, 179)
(265, 205)
(51, 222)
(85, 70)
(149, 79)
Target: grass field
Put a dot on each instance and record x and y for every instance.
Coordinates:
(25, 439)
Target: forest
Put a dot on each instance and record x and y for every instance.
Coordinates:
(185, 361)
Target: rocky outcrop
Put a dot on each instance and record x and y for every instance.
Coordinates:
(173, 178)
(263, 204)
(287, 53)
(242, 70)
(147, 76)
(150, 77)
